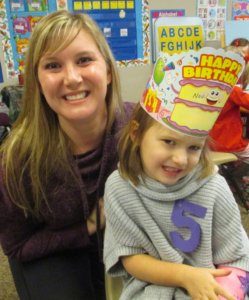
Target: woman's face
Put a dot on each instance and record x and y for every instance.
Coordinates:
(74, 81)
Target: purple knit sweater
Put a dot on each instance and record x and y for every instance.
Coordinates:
(64, 227)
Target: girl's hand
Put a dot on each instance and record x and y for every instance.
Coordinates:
(92, 220)
(201, 284)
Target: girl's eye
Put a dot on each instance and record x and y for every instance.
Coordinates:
(195, 148)
(169, 142)
(52, 66)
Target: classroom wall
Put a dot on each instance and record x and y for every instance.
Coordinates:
(134, 79)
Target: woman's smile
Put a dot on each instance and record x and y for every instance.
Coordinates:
(78, 96)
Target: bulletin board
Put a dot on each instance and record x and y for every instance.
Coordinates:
(125, 25)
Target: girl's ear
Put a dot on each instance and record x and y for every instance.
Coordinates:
(133, 130)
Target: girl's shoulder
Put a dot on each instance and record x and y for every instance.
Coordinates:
(115, 181)
(218, 185)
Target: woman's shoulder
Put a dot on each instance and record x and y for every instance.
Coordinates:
(128, 108)
(122, 118)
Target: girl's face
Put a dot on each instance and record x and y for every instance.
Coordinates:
(74, 81)
(167, 155)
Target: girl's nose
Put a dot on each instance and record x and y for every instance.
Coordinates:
(180, 157)
(72, 75)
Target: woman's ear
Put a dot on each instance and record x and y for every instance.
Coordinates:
(133, 130)
(109, 77)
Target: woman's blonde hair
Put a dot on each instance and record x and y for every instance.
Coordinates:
(37, 145)
(245, 74)
(130, 165)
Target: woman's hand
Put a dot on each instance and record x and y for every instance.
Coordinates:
(92, 220)
(201, 284)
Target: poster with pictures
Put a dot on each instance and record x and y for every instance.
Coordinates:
(214, 14)
(240, 10)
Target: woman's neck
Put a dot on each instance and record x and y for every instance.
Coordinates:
(84, 136)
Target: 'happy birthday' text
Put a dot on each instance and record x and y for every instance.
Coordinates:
(213, 67)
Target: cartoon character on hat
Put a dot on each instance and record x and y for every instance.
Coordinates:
(187, 92)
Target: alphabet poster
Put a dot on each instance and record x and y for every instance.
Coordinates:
(175, 35)
(213, 14)
(154, 15)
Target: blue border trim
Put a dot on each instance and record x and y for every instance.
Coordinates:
(139, 27)
(1, 74)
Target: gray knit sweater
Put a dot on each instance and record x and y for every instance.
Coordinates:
(139, 221)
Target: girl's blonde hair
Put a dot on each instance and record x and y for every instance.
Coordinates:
(130, 165)
(37, 146)
(245, 74)
(241, 42)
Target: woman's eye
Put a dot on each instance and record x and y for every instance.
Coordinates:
(83, 60)
(170, 142)
(52, 66)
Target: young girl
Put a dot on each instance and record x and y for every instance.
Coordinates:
(242, 44)
(227, 132)
(171, 218)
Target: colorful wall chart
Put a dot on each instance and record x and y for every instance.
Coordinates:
(125, 25)
(240, 10)
(213, 14)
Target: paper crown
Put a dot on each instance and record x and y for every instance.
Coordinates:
(187, 91)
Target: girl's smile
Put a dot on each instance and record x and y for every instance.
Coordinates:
(169, 171)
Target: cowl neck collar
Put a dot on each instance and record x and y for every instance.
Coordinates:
(164, 192)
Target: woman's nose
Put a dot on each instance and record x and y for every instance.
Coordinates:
(72, 75)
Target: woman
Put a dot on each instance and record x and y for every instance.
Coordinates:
(56, 160)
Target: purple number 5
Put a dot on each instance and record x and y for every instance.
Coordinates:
(180, 220)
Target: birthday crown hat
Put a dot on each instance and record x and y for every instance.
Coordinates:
(187, 91)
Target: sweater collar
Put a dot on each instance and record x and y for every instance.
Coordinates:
(182, 188)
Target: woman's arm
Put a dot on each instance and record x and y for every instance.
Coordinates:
(28, 238)
(199, 282)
